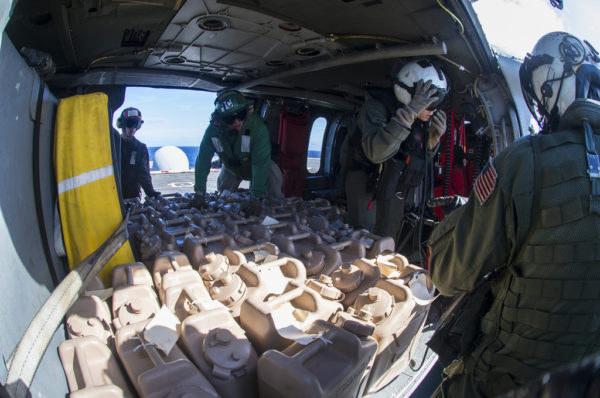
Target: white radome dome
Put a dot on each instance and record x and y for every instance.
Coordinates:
(171, 158)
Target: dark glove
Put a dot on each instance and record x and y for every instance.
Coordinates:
(448, 203)
(199, 200)
(253, 207)
(437, 128)
(423, 97)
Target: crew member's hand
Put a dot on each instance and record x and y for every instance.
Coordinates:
(437, 128)
(423, 97)
(448, 203)
(253, 207)
(153, 195)
(199, 200)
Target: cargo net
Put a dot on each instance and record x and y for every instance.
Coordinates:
(288, 302)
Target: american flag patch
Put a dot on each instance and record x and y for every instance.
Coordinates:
(486, 183)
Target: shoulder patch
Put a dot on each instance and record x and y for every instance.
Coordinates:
(486, 183)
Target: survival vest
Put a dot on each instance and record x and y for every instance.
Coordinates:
(545, 311)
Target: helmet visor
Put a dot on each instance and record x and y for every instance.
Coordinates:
(440, 94)
(239, 115)
(132, 122)
(535, 104)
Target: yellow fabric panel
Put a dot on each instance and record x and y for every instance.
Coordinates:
(89, 206)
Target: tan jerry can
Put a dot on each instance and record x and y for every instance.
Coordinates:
(302, 246)
(328, 258)
(324, 286)
(374, 244)
(254, 280)
(272, 277)
(168, 261)
(297, 245)
(353, 279)
(90, 316)
(197, 248)
(181, 289)
(214, 264)
(209, 264)
(260, 231)
(218, 346)
(131, 274)
(350, 250)
(92, 369)
(133, 304)
(155, 374)
(230, 290)
(398, 321)
(271, 323)
(335, 365)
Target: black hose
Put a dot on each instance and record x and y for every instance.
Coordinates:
(425, 193)
(422, 361)
(37, 181)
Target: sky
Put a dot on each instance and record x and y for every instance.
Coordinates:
(512, 27)
(171, 117)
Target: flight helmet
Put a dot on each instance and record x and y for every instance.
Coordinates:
(130, 117)
(411, 73)
(559, 69)
(231, 105)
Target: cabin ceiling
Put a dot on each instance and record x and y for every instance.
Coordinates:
(331, 47)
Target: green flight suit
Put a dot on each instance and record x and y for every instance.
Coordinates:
(546, 308)
(246, 154)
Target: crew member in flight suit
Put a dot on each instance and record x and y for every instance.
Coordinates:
(386, 156)
(241, 139)
(533, 214)
(135, 168)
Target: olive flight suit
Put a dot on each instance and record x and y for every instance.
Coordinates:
(246, 155)
(384, 164)
(535, 209)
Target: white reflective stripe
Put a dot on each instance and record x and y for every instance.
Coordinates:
(84, 178)
(245, 143)
(132, 159)
(217, 144)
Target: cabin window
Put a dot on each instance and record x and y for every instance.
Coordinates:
(315, 144)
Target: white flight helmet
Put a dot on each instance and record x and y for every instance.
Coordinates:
(411, 73)
(548, 75)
